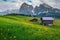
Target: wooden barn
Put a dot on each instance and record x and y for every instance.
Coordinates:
(47, 21)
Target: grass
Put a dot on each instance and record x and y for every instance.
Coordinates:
(20, 28)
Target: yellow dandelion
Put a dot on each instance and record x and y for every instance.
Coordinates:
(14, 36)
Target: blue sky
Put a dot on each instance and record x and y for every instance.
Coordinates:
(15, 0)
(15, 4)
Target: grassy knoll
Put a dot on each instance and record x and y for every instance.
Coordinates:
(20, 28)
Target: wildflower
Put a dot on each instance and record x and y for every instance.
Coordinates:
(14, 36)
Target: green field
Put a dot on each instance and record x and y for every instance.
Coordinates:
(20, 28)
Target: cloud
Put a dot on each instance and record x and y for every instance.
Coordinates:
(53, 3)
(9, 5)
(15, 4)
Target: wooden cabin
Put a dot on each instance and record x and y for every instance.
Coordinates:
(47, 21)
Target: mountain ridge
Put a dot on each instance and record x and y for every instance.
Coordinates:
(27, 9)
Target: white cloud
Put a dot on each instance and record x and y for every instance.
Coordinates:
(36, 2)
(53, 3)
(9, 5)
(17, 3)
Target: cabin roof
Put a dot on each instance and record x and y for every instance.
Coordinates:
(47, 18)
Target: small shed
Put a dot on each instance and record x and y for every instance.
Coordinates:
(47, 21)
(34, 20)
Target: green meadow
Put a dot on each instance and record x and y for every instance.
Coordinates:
(20, 28)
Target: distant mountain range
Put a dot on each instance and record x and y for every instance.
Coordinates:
(45, 8)
(27, 9)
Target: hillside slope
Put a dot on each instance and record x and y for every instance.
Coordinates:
(20, 28)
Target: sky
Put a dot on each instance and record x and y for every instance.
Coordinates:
(15, 4)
